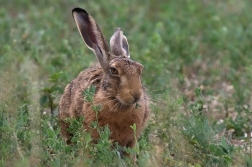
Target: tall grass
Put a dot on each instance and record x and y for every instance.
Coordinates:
(197, 57)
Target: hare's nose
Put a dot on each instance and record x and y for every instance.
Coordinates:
(136, 96)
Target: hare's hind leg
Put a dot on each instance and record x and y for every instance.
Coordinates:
(64, 131)
(64, 113)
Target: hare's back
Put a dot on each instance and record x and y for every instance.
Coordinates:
(71, 102)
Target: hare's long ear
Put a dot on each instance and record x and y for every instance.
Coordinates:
(119, 44)
(92, 35)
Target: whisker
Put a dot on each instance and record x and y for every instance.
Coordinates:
(102, 104)
(110, 110)
(108, 101)
(114, 106)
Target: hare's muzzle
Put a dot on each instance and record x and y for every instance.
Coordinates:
(129, 97)
(136, 96)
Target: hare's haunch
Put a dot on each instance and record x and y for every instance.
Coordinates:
(117, 82)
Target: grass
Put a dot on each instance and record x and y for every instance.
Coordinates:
(197, 57)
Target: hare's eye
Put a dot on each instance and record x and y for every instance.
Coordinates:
(113, 71)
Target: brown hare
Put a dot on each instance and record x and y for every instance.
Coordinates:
(118, 87)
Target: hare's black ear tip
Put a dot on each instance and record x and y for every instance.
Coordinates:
(78, 10)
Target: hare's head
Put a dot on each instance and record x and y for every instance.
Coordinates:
(122, 76)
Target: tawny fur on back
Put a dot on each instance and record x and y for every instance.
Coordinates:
(117, 80)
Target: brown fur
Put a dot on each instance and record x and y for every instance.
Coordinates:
(117, 94)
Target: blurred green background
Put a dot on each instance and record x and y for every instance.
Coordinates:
(183, 45)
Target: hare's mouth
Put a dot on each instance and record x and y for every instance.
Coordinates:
(127, 101)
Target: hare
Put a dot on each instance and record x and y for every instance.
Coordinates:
(118, 87)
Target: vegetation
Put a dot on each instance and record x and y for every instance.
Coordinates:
(198, 66)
